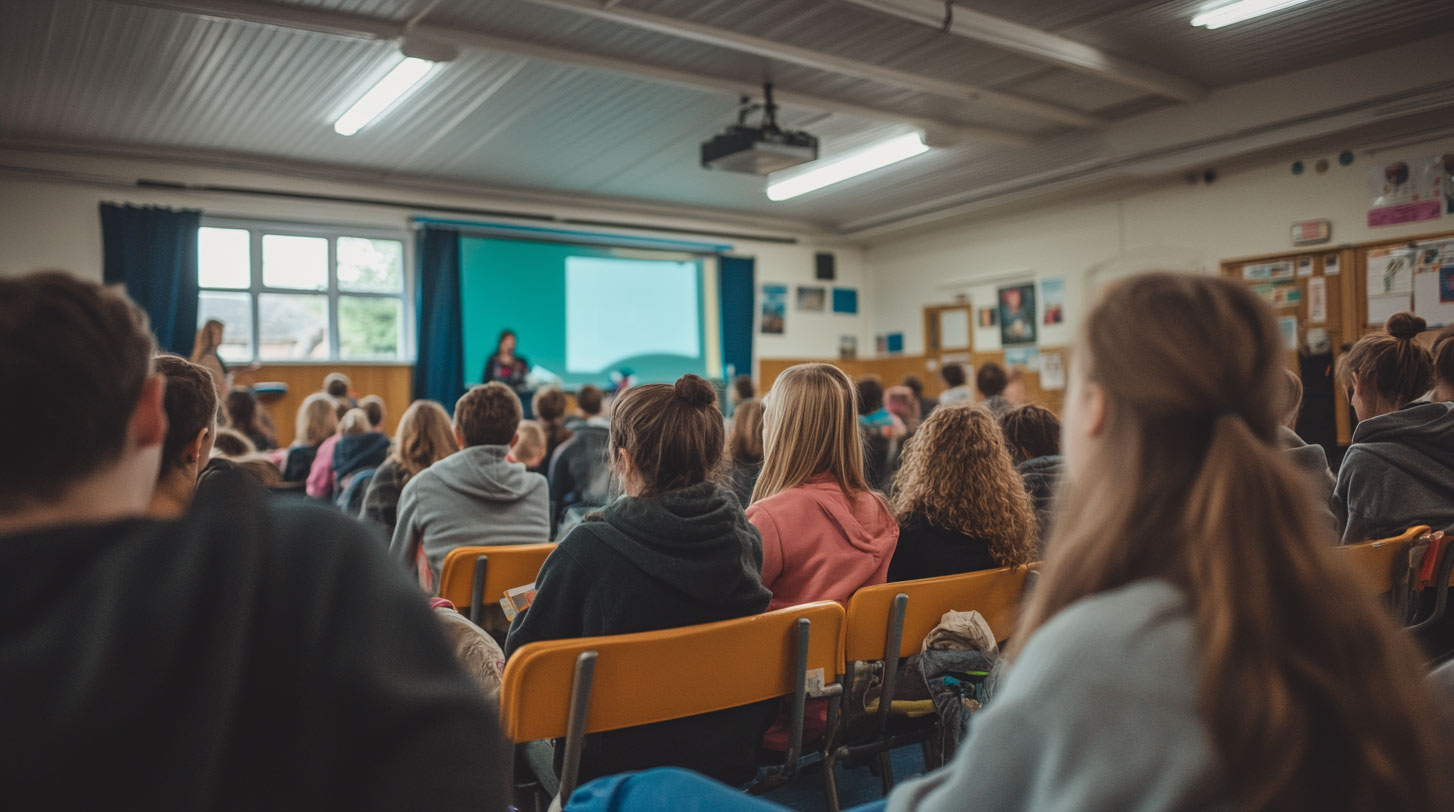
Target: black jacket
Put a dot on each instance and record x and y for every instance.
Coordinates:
(299, 462)
(580, 472)
(251, 655)
(358, 451)
(1042, 478)
(927, 551)
(686, 557)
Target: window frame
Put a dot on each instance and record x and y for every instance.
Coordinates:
(257, 229)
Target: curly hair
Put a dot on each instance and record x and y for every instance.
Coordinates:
(957, 473)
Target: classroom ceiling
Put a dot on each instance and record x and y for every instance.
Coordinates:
(610, 100)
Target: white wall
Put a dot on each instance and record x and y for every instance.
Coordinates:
(1176, 226)
(50, 222)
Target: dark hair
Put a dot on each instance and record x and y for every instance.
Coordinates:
(672, 432)
(549, 406)
(870, 394)
(488, 414)
(373, 406)
(742, 384)
(1444, 356)
(231, 443)
(991, 379)
(337, 384)
(500, 342)
(241, 408)
(589, 398)
(190, 403)
(744, 444)
(1395, 367)
(953, 374)
(76, 358)
(915, 384)
(1031, 431)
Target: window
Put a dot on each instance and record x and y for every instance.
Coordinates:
(289, 293)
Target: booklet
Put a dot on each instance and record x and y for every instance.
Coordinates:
(517, 600)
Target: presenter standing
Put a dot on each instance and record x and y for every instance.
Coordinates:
(504, 365)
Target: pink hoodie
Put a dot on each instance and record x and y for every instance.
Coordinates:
(818, 544)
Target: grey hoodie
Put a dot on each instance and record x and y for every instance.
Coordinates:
(1398, 473)
(1314, 460)
(473, 496)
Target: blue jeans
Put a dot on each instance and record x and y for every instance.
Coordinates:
(674, 789)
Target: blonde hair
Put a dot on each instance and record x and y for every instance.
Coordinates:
(355, 421)
(424, 437)
(317, 419)
(1311, 699)
(810, 427)
(957, 474)
(529, 441)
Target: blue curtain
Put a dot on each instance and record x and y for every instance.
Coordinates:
(152, 251)
(737, 280)
(439, 372)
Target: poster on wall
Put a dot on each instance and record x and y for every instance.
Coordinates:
(1434, 295)
(987, 317)
(847, 348)
(1317, 300)
(1287, 326)
(1406, 191)
(1026, 358)
(1052, 300)
(774, 309)
(1052, 371)
(845, 300)
(1390, 283)
(812, 300)
(1017, 314)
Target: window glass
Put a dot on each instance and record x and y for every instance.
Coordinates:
(370, 266)
(292, 326)
(295, 262)
(234, 310)
(224, 258)
(369, 327)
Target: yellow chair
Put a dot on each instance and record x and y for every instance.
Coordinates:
(476, 577)
(569, 688)
(1376, 560)
(889, 622)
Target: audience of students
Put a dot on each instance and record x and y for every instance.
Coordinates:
(916, 385)
(675, 550)
(529, 446)
(991, 381)
(474, 496)
(190, 404)
(356, 453)
(317, 421)
(744, 449)
(580, 471)
(244, 415)
(549, 408)
(957, 390)
(321, 479)
(1399, 471)
(824, 532)
(1032, 435)
(960, 505)
(247, 655)
(424, 437)
(338, 386)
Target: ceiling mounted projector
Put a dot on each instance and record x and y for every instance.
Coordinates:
(762, 149)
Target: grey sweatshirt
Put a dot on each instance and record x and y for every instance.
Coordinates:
(471, 497)
(1398, 473)
(1314, 460)
(1099, 714)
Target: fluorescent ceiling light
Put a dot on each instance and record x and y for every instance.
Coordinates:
(1241, 10)
(398, 81)
(875, 157)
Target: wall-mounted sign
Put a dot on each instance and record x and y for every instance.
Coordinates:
(1311, 232)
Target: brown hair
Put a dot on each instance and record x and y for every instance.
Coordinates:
(1292, 398)
(953, 375)
(1031, 431)
(903, 404)
(744, 444)
(742, 385)
(1394, 368)
(190, 403)
(1444, 357)
(488, 414)
(915, 384)
(202, 345)
(355, 421)
(259, 467)
(810, 427)
(241, 408)
(957, 474)
(991, 379)
(373, 406)
(1310, 697)
(673, 433)
(337, 385)
(423, 438)
(549, 407)
(231, 443)
(588, 399)
(870, 394)
(317, 419)
(76, 357)
(529, 441)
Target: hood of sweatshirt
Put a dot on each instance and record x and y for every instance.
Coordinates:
(863, 519)
(696, 540)
(1311, 458)
(355, 451)
(1417, 440)
(482, 471)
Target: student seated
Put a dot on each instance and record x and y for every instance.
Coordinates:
(916, 385)
(824, 532)
(354, 447)
(548, 406)
(1399, 471)
(742, 390)
(903, 404)
(958, 391)
(991, 381)
(529, 446)
(676, 550)
(961, 507)
(474, 496)
(589, 402)
(580, 471)
(424, 437)
(243, 415)
(881, 433)
(1032, 435)
(190, 404)
(1193, 642)
(317, 421)
(744, 449)
(1310, 458)
(356, 454)
(244, 656)
(338, 386)
(232, 444)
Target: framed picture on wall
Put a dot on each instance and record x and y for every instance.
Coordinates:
(774, 309)
(1017, 314)
(812, 299)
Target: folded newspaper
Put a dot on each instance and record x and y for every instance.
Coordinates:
(517, 600)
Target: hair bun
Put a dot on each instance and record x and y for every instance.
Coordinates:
(695, 391)
(1405, 326)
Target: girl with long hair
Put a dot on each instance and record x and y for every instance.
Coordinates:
(425, 436)
(317, 421)
(204, 354)
(744, 448)
(244, 416)
(549, 406)
(960, 504)
(504, 365)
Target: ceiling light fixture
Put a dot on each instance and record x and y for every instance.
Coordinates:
(850, 166)
(1239, 11)
(381, 96)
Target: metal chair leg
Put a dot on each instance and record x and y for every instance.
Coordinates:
(575, 730)
(477, 590)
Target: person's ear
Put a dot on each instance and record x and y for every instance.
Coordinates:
(514, 438)
(459, 437)
(149, 417)
(1094, 406)
(624, 463)
(193, 451)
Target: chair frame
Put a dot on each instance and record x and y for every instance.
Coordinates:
(482, 555)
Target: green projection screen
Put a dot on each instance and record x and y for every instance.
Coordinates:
(581, 312)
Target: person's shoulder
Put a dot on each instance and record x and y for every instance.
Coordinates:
(1145, 626)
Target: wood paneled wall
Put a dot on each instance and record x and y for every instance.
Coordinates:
(392, 382)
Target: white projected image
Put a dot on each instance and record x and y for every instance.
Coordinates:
(618, 309)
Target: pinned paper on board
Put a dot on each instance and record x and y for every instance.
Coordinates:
(1027, 358)
(1390, 284)
(1052, 370)
(1330, 265)
(1434, 296)
(1287, 326)
(1304, 266)
(1317, 300)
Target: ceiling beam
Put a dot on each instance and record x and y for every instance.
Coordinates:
(1038, 44)
(819, 60)
(361, 26)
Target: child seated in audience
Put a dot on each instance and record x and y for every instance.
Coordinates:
(190, 404)
(1032, 435)
(232, 444)
(244, 416)
(247, 655)
(317, 421)
(1193, 642)
(548, 406)
(1399, 471)
(356, 454)
(529, 446)
(882, 432)
(676, 550)
(744, 448)
(589, 402)
(903, 404)
(824, 532)
(424, 437)
(580, 471)
(338, 386)
(957, 390)
(474, 496)
(355, 428)
(916, 385)
(961, 507)
(991, 381)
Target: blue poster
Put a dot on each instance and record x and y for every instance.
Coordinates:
(845, 300)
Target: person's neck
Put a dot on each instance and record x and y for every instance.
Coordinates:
(115, 494)
(173, 495)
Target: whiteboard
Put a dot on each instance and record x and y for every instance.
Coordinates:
(954, 329)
